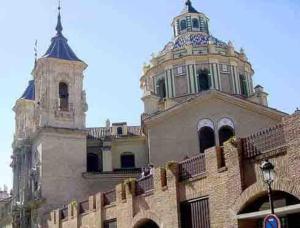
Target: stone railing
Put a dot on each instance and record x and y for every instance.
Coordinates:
(264, 141)
(192, 167)
(144, 185)
(83, 206)
(109, 197)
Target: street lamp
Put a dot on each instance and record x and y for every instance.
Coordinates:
(267, 169)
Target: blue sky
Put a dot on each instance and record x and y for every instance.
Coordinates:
(116, 37)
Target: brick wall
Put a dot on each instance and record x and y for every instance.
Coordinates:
(224, 186)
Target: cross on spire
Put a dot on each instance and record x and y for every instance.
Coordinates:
(59, 26)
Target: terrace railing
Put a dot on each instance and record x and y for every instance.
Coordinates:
(264, 141)
(192, 167)
(109, 197)
(144, 185)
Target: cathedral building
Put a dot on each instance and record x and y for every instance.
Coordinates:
(198, 128)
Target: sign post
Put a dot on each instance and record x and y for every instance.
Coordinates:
(272, 221)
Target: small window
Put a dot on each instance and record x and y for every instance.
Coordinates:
(195, 23)
(161, 88)
(206, 137)
(224, 68)
(110, 223)
(63, 96)
(183, 25)
(243, 83)
(119, 131)
(179, 71)
(127, 161)
(225, 133)
(203, 80)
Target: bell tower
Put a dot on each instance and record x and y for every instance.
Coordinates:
(60, 98)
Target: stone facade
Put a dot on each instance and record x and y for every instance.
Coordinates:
(223, 185)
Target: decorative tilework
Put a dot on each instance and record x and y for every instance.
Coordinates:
(195, 40)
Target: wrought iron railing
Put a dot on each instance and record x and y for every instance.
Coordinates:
(109, 197)
(144, 185)
(83, 207)
(264, 141)
(192, 167)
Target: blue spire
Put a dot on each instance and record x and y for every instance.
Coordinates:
(59, 47)
(59, 26)
(29, 93)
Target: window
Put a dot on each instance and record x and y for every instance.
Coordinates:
(92, 163)
(225, 133)
(179, 71)
(206, 138)
(183, 25)
(224, 68)
(195, 23)
(243, 83)
(110, 223)
(203, 80)
(202, 25)
(63, 96)
(195, 213)
(119, 131)
(127, 160)
(161, 88)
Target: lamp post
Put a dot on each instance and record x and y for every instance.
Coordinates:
(267, 169)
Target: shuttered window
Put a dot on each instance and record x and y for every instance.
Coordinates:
(195, 214)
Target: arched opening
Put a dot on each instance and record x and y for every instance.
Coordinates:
(127, 160)
(147, 224)
(259, 204)
(203, 80)
(243, 83)
(206, 138)
(225, 133)
(92, 163)
(119, 131)
(183, 25)
(195, 23)
(161, 88)
(63, 96)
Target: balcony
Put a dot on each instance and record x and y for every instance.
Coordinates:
(192, 167)
(265, 142)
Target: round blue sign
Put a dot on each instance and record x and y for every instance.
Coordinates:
(272, 221)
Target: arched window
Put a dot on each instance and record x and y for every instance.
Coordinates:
(183, 25)
(63, 96)
(243, 83)
(161, 88)
(203, 80)
(127, 160)
(195, 23)
(225, 133)
(92, 163)
(119, 131)
(206, 138)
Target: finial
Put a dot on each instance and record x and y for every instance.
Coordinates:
(297, 112)
(188, 2)
(59, 27)
(35, 52)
